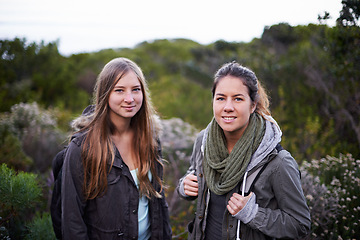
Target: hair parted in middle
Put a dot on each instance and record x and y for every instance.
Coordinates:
(256, 92)
(98, 152)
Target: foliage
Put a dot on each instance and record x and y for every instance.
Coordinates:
(37, 72)
(323, 205)
(40, 228)
(35, 130)
(317, 94)
(19, 194)
(183, 99)
(311, 73)
(350, 13)
(11, 151)
(341, 176)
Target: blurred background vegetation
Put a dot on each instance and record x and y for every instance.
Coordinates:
(312, 74)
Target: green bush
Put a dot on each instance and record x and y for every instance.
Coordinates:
(19, 195)
(11, 151)
(40, 228)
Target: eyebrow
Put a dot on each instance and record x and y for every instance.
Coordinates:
(121, 86)
(236, 95)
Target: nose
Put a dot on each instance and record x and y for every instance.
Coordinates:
(129, 98)
(229, 107)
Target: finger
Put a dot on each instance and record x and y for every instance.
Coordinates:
(190, 188)
(232, 205)
(191, 177)
(191, 192)
(237, 196)
(249, 196)
(235, 204)
(187, 182)
(231, 210)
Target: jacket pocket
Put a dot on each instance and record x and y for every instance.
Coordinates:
(190, 226)
(98, 233)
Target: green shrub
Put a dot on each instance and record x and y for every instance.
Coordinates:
(11, 151)
(19, 195)
(40, 228)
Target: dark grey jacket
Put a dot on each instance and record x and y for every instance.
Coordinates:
(113, 215)
(282, 211)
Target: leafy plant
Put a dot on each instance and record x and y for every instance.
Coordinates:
(341, 175)
(40, 228)
(323, 205)
(19, 195)
(11, 151)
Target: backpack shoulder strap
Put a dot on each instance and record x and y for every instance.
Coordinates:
(58, 162)
(250, 181)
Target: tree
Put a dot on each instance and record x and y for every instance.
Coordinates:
(349, 15)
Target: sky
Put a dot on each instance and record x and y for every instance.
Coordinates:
(87, 25)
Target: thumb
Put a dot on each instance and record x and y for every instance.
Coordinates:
(248, 196)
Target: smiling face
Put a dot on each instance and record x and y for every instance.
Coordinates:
(126, 98)
(232, 106)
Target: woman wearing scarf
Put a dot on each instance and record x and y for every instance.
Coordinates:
(246, 185)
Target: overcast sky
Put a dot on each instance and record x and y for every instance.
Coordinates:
(87, 25)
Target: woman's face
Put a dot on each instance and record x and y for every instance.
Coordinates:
(232, 106)
(126, 98)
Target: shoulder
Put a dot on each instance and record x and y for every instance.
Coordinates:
(73, 153)
(285, 157)
(200, 135)
(78, 138)
(284, 163)
(200, 140)
(58, 162)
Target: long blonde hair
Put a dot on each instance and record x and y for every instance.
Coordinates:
(98, 152)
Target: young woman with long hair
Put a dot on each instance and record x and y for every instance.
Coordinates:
(112, 173)
(240, 146)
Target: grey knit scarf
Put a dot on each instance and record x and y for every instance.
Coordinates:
(222, 170)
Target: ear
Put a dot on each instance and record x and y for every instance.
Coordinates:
(253, 107)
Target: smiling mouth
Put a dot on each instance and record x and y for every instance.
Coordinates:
(229, 118)
(129, 107)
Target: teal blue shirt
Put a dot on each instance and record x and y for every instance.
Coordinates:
(143, 211)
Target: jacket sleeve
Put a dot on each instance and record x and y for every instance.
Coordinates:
(73, 202)
(167, 232)
(193, 165)
(291, 219)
